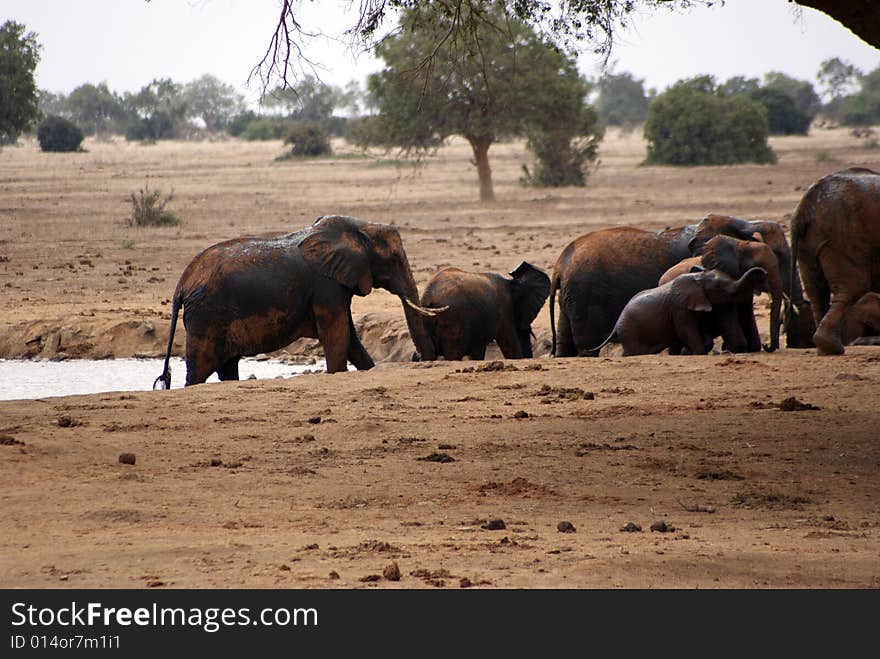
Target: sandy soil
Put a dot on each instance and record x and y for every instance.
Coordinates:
(326, 481)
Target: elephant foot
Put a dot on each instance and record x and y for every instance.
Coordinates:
(827, 344)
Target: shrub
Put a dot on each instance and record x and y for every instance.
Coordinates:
(307, 138)
(148, 209)
(691, 123)
(59, 134)
(564, 153)
(158, 126)
(264, 129)
(783, 116)
(239, 123)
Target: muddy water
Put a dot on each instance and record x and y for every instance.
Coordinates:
(41, 379)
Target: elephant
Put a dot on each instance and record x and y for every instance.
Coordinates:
(483, 307)
(835, 237)
(862, 323)
(253, 295)
(798, 319)
(685, 312)
(735, 257)
(599, 272)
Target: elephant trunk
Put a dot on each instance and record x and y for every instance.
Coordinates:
(775, 288)
(415, 318)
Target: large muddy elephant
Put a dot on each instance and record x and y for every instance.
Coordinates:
(835, 236)
(485, 307)
(686, 312)
(598, 273)
(798, 319)
(735, 257)
(253, 295)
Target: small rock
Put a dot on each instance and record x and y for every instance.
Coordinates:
(494, 524)
(284, 567)
(370, 577)
(155, 584)
(464, 582)
(662, 527)
(437, 457)
(216, 462)
(631, 527)
(252, 377)
(391, 572)
(521, 414)
(65, 421)
(315, 420)
(792, 404)
(126, 458)
(566, 527)
(333, 574)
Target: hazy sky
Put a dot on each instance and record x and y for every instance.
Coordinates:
(127, 43)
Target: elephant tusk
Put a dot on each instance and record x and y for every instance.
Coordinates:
(423, 310)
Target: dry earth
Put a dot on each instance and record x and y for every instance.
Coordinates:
(323, 481)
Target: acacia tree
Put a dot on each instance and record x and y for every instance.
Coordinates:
(498, 85)
(214, 102)
(19, 55)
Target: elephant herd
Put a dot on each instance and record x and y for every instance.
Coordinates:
(677, 289)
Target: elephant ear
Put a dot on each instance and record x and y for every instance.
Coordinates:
(337, 248)
(687, 291)
(530, 287)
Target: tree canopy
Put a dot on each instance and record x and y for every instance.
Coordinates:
(569, 25)
(19, 55)
(497, 85)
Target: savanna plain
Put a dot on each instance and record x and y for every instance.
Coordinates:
(496, 474)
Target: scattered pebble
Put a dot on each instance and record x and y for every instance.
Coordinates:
(631, 527)
(391, 572)
(65, 421)
(464, 582)
(792, 404)
(315, 420)
(216, 462)
(333, 574)
(437, 457)
(566, 527)
(662, 527)
(494, 524)
(126, 458)
(522, 414)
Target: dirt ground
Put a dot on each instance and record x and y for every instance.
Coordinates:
(330, 480)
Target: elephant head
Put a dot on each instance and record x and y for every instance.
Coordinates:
(770, 233)
(529, 287)
(800, 325)
(704, 289)
(735, 256)
(363, 255)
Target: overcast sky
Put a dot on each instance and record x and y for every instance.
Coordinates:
(127, 43)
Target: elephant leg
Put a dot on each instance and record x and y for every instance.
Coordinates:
(229, 370)
(508, 342)
(357, 354)
(564, 338)
(748, 326)
(687, 330)
(200, 360)
(333, 333)
(847, 283)
(478, 353)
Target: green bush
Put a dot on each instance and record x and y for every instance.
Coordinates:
(783, 116)
(692, 123)
(307, 138)
(59, 134)
(265, 129)
(564, 153)
(148, 209)
(239, 123)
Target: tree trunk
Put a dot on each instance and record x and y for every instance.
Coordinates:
(481, 145)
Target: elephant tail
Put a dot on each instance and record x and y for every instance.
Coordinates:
(594, 352)
(553, 286)
(165, 378)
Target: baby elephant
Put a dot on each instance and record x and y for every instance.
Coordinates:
(484, 307)
(676, 314)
